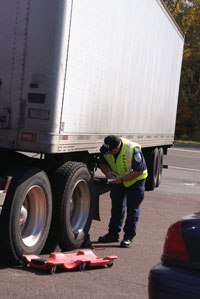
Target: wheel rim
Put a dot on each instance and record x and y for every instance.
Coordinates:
(33, 216)
(79, 206)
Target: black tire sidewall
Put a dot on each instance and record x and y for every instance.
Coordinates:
(20, 184)
(68, 239)
(151, 159)
(160, 166)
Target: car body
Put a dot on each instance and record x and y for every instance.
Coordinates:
(177, 276)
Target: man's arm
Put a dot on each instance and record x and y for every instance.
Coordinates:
(104, 168)
(131, 176)
(138, 166)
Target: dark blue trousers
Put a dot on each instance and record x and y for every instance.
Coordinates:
(126, 197)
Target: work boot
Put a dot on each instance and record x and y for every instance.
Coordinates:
(126, 243)
(109, 238)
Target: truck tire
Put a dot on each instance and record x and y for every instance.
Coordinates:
(151, 158)
(160, 166)
(26, 215)
(73, 193)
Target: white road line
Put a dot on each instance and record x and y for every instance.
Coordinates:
(182, 168)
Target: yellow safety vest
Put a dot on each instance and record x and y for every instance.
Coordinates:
(123, 164)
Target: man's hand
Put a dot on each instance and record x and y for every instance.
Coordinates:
(131, 176)
(117, 180)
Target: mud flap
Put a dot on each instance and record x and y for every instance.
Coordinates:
(101, 187)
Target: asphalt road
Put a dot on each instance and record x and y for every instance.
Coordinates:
(178, 195)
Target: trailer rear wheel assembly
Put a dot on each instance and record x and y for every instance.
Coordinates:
(151, 158)
(73, 193)
(154, 161)
(160, 166)
(26, 215)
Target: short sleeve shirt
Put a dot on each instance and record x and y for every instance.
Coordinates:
(138, 162)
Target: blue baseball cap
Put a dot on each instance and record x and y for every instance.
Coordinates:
(110, 142)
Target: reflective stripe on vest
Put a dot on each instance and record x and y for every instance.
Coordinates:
(127, 151)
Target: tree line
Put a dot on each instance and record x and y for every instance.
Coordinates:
(187, 16)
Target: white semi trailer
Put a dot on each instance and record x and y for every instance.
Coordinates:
(72, 72)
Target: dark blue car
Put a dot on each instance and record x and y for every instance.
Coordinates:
(178, 274)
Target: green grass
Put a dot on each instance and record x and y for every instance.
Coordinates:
(187, 141)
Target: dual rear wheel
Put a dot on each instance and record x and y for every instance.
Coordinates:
(34, 212)
(26, 214)
(73, 191)
(154, 161)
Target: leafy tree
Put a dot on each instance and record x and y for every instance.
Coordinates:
(187, 15)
